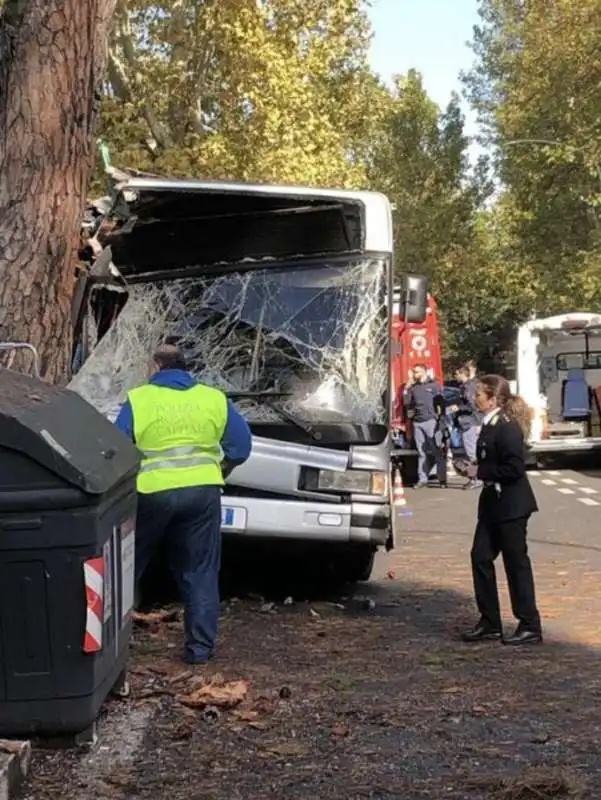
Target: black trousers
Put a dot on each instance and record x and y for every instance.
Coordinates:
(508, 539)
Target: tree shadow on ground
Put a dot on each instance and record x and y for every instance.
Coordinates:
(383, 701)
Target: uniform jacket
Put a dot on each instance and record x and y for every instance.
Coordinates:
(236, 441)
(500, 451)
(468, 415)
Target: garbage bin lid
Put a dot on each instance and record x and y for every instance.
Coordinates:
(61, 431)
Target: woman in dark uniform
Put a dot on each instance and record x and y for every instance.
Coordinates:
(505, 505)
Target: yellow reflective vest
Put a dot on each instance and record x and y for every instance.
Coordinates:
(178, 432)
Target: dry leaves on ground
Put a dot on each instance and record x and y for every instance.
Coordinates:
(536, 784)
(224, 695)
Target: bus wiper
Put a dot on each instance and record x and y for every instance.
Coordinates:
(268, 399)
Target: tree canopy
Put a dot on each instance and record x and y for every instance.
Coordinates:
(273, 91)
(282, 91)
(535, 86)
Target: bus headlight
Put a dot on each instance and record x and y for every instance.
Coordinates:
(353, 481)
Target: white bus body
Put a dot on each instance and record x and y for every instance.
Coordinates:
(554, 354)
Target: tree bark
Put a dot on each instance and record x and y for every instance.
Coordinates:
(52, 60)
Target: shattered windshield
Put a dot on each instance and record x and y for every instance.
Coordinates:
(315, 336)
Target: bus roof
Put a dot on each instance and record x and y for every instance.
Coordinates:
(375, 207)
(572, 321)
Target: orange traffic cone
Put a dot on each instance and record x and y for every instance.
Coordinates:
(398, 492)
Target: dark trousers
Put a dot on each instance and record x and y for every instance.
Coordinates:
(189, 521)
(508, 539)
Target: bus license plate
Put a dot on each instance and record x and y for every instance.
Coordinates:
(233, 518)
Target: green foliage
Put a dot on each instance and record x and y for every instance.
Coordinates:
(535, 85)
(275, 91)
(281, 91)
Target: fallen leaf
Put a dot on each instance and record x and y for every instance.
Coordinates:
(292, 748)
(340, 730)
(181, 676)
(391, 575)
(246, 715)
(264, 705)
(7, 746)
(155, 617)
(227, 695)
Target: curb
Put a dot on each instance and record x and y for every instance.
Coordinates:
(15, 759)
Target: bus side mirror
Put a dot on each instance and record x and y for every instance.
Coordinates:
(415, 298)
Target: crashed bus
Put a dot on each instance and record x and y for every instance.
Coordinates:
(281, 297)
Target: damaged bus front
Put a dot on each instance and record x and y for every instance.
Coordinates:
(280, 297)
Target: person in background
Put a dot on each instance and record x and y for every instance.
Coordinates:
(468, 419)
(190, 436)
(506, 504)
(425, 404)
(472, 367)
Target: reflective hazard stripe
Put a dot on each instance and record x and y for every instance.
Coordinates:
(93, 570)
(177, 452)
(178, 463)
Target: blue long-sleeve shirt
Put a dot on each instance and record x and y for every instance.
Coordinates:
(236, 441)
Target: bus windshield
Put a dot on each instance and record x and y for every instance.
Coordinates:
(315, 335)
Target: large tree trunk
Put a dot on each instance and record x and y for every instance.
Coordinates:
(52, 59)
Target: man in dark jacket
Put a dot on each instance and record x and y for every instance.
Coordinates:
(468, 419)
(424, 402)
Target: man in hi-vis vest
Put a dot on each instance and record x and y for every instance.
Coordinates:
(189, 434)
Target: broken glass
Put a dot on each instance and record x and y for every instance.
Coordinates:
(317, 336)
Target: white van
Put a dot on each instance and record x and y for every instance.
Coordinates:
(559, 376)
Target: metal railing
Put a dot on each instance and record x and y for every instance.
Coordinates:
(13, 347)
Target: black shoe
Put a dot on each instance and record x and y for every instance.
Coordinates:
(197, 661)
(523, 636)
(481, 633)
(443, 485)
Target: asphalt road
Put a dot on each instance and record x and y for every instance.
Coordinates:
(564, 538)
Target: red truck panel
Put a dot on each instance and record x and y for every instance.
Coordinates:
(413, 343)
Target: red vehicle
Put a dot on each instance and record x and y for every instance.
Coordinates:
(412, 343)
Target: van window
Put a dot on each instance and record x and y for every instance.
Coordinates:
(566, 361)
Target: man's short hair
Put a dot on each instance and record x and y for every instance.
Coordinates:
(169, 356)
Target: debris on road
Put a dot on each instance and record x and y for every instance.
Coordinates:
(15, 760)
(537, 783)
(210, 714)
(156, 618)
(340, 730)
(220, 695)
